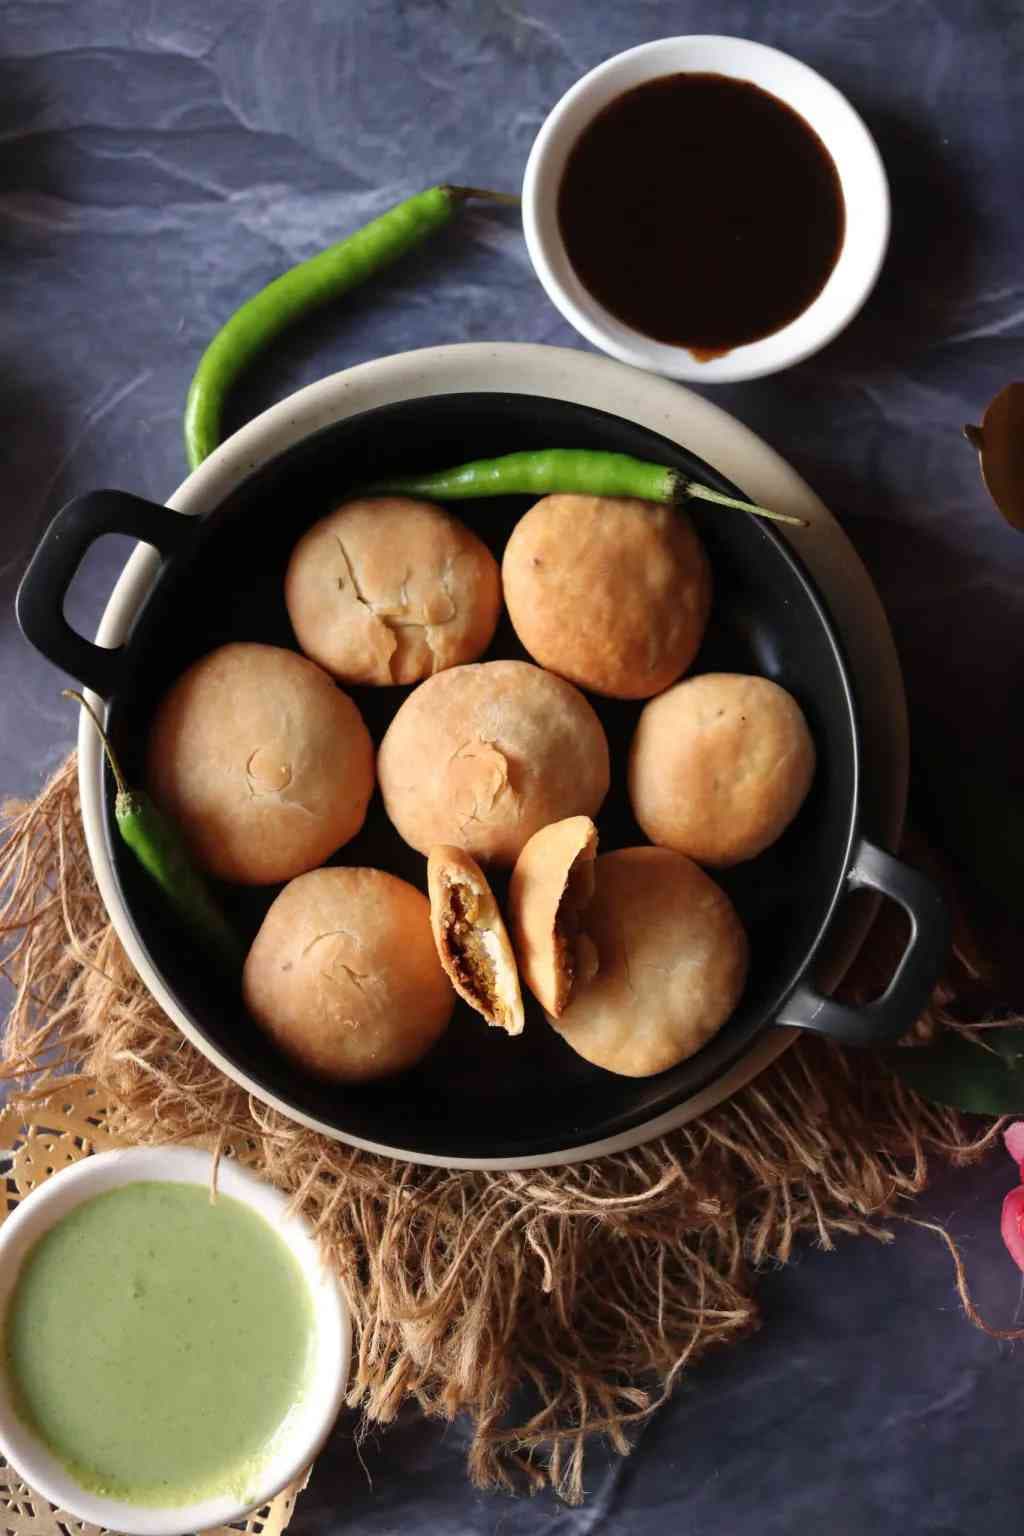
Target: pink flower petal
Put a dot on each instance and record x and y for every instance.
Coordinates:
(1012, 1225)
(1013, 1136)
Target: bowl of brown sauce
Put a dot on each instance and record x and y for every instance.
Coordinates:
(706, 208)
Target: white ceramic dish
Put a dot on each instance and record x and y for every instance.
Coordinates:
(665, 408)
(306, 1430)
(856, 157)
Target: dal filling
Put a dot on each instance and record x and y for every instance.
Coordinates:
(472, 964)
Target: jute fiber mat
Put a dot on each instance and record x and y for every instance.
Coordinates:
(70, 1122)
(586, 1290)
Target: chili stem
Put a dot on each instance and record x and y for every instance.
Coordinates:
(115, 767)
(485, 194)
(702, 492)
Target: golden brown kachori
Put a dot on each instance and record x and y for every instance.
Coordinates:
(387, 589)
(551, 884)
(483, 756)
(344, 977)
(608, 591)
(263, 763)
(719, 766)
(471, 939)
(671, 963)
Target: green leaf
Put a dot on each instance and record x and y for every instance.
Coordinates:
(956, 1071)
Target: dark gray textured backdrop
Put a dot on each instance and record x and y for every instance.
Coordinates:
(159, 159)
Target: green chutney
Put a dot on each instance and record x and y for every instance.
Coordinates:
(156, 1341)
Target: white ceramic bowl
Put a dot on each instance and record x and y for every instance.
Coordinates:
(856, 157)
(306, 1429)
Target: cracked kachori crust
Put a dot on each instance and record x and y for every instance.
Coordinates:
(471, 940)
(671, 963)
(611, 592)
(483, 756)
(344, 977)
(719, 766)
(551, 885)
(388, 589)
(263, 763)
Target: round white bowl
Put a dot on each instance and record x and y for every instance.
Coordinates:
(307, 1428)
(861, 174)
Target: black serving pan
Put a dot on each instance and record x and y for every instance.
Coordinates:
(479, 1094)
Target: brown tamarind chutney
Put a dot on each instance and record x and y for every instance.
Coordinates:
(701, 211)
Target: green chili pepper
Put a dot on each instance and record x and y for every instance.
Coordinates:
(157, 844)
(326, 276)
(580, 470)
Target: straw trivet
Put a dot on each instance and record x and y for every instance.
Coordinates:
(581, 1292)
(70, 1123)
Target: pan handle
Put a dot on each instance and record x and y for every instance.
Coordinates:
(899, 1006)
(44, 586)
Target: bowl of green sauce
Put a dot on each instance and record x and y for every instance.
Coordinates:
(169, 1360)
